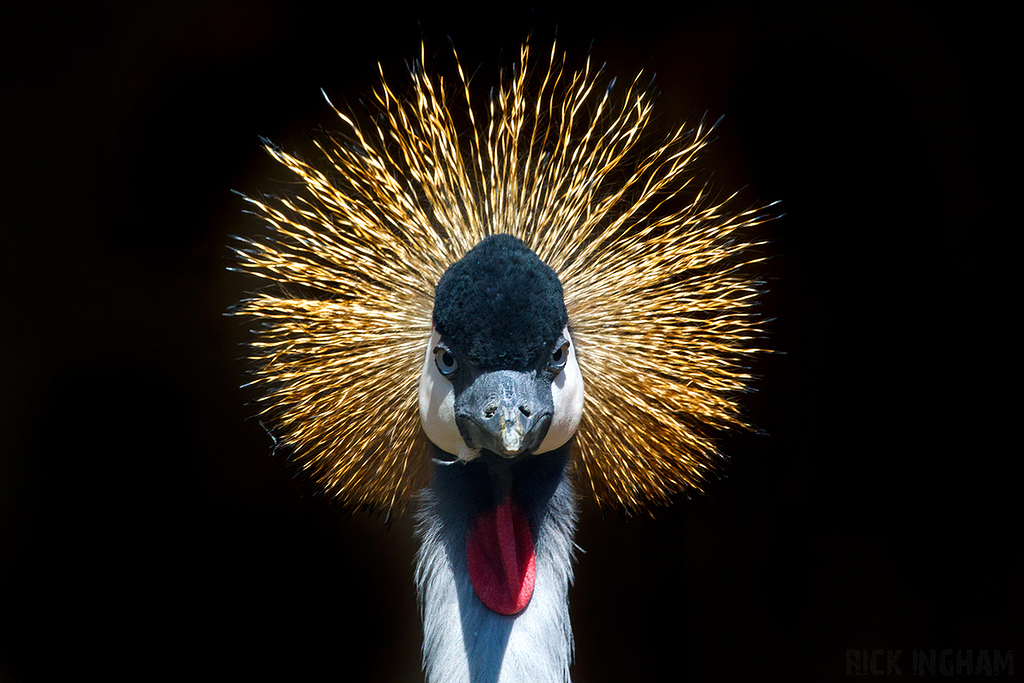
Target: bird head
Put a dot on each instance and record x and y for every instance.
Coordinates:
(364, 369)
(500, 372)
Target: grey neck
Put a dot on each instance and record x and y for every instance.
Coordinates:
(464, 641)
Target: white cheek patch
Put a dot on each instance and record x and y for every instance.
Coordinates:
(437, 407)
(567, 395)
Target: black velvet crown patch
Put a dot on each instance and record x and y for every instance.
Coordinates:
(500, 305)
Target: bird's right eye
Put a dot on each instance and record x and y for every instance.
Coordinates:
(445, 361)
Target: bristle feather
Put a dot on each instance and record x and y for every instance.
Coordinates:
(658, 299)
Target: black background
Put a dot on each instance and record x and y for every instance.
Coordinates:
(145, 530)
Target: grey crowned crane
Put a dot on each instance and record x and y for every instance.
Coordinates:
(486, 310)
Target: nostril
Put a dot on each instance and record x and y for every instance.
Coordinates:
(489, 411)
(525, 410)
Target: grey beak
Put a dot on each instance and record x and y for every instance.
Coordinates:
(504, 411)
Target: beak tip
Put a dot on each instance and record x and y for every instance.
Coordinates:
(511, 441)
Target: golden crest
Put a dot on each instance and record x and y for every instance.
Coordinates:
(655, 274)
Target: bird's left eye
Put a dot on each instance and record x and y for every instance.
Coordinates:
(559, 357)
(445, 361)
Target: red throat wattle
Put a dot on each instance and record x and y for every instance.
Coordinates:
(500, 558)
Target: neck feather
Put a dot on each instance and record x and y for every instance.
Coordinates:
(464, 641)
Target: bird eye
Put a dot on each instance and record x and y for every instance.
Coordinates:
(445, 361)
(559, 357)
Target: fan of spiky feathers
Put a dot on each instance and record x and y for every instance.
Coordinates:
(659, 307)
